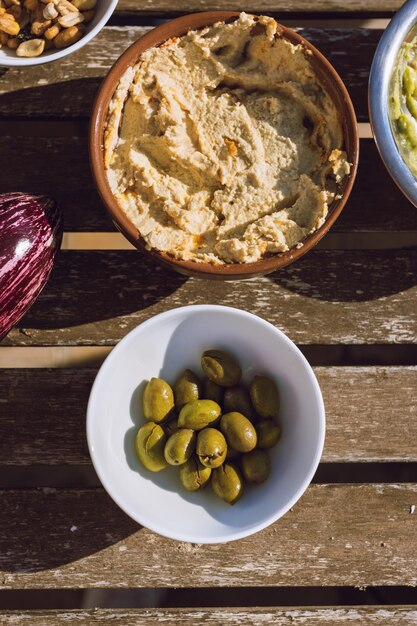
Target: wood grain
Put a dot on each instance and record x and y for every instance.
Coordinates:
(327, 297)
(286, 616)
(59, 165)
(368, 410)
(158, 7)
(67, 88)
(355, 535)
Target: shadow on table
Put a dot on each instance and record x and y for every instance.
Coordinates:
(45, 528)
(350, 276)
(79, 92)
(90, 286)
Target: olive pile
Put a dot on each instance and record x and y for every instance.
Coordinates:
(214, 430)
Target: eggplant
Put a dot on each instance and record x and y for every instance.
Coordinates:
(30, 237)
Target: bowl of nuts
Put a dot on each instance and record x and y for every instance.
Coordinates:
(205, 424)
(39, 31)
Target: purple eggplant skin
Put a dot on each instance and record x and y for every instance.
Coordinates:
(30, 237)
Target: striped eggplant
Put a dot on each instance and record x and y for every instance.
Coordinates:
(30, 236)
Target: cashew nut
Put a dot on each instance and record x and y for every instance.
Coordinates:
(71, 19)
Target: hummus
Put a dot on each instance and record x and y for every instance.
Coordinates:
(403, 103)
(222, 146)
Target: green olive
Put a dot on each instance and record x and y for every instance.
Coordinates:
(268, 433)
(211, 447)
(212, 391)
(171, 427)
(198, 414)
(149, 446)
(221, 368)
(265, 396)
(238, 399)
(239, 431)
(186, 389)
(180, 446)
(255, 466)
(193, 475)
(158, 400)
(227, 483)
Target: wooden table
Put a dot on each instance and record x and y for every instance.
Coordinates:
(350, 305)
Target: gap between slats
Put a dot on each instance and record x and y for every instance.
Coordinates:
(93, 356)
(58, 477)
(382, 240)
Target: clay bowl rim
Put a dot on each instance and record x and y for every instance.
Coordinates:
(176, 28)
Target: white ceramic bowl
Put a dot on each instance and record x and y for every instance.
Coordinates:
(164, 346)
(104, 9)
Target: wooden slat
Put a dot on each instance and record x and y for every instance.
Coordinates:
(358, 535)
(327, 297)
(59, 166)
(368, 410)
(300, 616)
(67, 88)
(49, 407)
(374, 196)
(259, 6)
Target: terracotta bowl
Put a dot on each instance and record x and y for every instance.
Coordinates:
(176, 28)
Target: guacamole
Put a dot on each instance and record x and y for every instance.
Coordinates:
(403, 103)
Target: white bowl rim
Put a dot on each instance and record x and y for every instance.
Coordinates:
(231, 535)
(14, 61)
